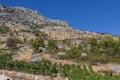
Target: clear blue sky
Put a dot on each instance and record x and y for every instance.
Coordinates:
(92, 15)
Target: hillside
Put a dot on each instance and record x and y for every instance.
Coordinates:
(30, 37)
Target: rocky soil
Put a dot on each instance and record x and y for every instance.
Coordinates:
(24, 76)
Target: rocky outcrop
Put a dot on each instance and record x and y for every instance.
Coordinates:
(24, 16)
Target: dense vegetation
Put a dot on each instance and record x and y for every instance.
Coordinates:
(44, 67)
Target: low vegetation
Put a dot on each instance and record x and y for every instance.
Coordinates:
(46, 68)
(100, 50)
(104, 50)
(30, 30)
(4, 29)
(36, 44)
(52, 46)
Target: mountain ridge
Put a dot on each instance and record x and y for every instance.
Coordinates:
(21, 15)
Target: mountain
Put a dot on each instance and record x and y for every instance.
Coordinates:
(24, 24)
(28, 19)
(26, 35)
(23, 15)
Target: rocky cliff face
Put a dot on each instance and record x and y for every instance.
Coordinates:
(23, 15)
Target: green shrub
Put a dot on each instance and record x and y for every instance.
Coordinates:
(39, 42)
(52, 46)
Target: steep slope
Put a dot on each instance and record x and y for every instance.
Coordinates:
(24, 16)
(27, 19)
(24, 24)
(31, 37)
